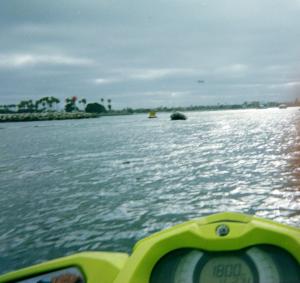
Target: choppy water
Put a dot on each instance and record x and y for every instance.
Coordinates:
(103, 184)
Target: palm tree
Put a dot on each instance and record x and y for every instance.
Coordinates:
(44, 101)
(102, 100)
(109, 104)
(82, 101)
(56, 101)
(30, 105)
(22, 105)
(26, 106)
(71, 104)
(36, 105)
(49, 102)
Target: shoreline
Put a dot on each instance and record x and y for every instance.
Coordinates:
(48, 116)
(29, 117)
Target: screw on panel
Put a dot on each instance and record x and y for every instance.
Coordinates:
(222, 230)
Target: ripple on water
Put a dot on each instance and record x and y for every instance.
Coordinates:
(104, 184)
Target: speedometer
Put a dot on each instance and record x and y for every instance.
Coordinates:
(245, 266)
(226, 269)
(260, 264)
(265, 266)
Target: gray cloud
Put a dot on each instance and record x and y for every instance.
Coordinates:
(145, 53)
(24, 60)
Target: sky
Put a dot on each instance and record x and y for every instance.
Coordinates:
(142, 53)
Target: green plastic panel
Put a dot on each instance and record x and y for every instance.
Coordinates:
(244, 231)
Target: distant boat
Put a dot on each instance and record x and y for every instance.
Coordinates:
(178, 116)
(282, 106)
(152, 114)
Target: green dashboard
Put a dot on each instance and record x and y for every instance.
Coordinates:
(221, 248)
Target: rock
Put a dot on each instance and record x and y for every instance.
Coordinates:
(178, 116)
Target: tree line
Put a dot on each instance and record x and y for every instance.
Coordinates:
(51, 104)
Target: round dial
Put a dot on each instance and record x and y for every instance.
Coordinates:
(267, 270)
(186, 268)
(252, 265)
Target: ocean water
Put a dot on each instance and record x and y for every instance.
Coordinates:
(105, 183)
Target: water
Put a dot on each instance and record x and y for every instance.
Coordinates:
(103, 184)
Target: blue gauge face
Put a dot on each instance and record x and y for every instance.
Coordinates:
(230, 269)
(200, 267)
(262, 264)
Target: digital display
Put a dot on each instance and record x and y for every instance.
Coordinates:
(225, 269)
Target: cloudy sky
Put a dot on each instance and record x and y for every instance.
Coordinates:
(150, 53)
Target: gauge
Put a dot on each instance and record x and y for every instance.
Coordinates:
(267, 270)
(226, 269)
(252, 265)
(198, 267)
(187, 266)
(257, 264)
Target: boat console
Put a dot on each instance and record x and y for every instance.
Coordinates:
(221, 248)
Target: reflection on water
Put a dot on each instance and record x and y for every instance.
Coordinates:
(294, 166)
(103, 184)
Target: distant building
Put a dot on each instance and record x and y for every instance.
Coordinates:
(9, 108)
(12, 108)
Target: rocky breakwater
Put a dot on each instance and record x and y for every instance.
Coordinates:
(24, 117)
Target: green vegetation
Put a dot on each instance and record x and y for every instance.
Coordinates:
(245, 105)
(29, 106)
(52, 104)
(70, 105)
(95, 108)
(109, 104)
(47, 108)
(42, 109)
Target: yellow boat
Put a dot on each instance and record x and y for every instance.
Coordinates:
(221, 248)
(152, 114)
